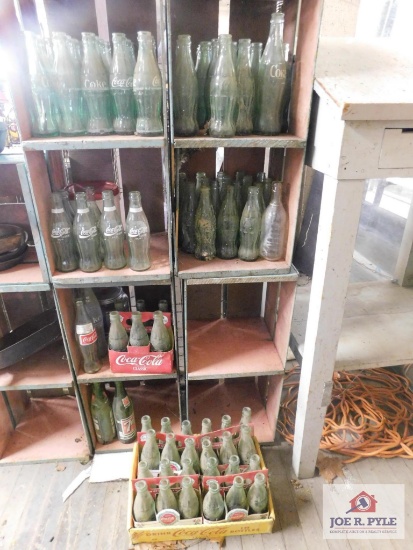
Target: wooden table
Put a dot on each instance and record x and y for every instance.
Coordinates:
(363, 113)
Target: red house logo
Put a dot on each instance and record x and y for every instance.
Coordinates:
(363, 502)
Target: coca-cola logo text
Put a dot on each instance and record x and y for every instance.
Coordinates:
(58, 232)
(137, 232)
(113, 231)
(88, 339)
(142, 362)
(93, 84)
(122, 82)
(88, 233)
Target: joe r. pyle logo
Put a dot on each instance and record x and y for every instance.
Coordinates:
(363, 502)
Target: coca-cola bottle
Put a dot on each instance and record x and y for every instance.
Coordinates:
(188, 503)
(118, 337)
(228, 227)
(61, 231)
(150, 451)
(95, 313)
(147, 87)
(274, 227)
(138, 234)
(102, 415)
(185, 89)
(210, 73)
(166, 499)
(205, 227)
(86, 236)
(245, 81)
(190, 452)
(236, 496)
(186, 427)
(67, 87)
(144, 504)
(121, 81)
(160, 339)
(187, 219)
(213, 505)
(166, 426)
(95, 85)
(258, 495)
(87, 339)
(123, 414)
(67, 206)
(201, 68)
(138, 335)
(112, 233)
(91, 202)
(250, 227)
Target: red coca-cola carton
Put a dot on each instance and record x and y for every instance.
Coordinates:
(139, 359)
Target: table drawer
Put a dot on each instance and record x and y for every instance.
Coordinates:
(396, 148)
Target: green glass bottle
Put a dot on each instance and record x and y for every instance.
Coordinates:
(185, 89)
(205, 227)
(102, 415)
(187, 468)
(150, 451)
(246, 446)
(258, 495)
(207, 452)
(227, 448)
(213, 505)
(123, 414)
(236, 496)
(212, 467)
(144, 504)
(228, 227)
(250, 227)
(190, 452)
(170, 450)
(138, 335)
(201, 68)
(118, 337)
(166, 498)
(159, 339)
(188, 503)
(245, 82)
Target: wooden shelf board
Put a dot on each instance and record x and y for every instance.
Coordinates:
(92, 142)
(191, 268)
(105, 375)
(23, 278)
(157, 399)
(280, 142)
(12, 155)
(50, 430)
(377, 326)
(231, 348)
(212, 400)
(159, 272)
(48, 368)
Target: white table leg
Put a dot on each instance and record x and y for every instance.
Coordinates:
(339, 216)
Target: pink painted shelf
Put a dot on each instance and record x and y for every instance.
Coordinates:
(22, 274)
(50, 430)
(159, 270)
(213, 399)
(231, 348)
(48, 368)
(155, 398)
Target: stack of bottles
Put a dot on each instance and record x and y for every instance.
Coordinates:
(172, 467)
(89, 239)
(231, 219)
(90, 332)
(82, 88)
(234, 88)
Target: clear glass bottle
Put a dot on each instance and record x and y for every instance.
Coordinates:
(144, 504)
(187, 467)
(236, 497)
(118, 337)
(94, 311)
(186, 427)
(257, 497)
(246, 89)
(146, 423)
(288, 87)
(215, 197)
(143, 470)
(67, 205)
(87, 337)
(267, 191)
(187, 219)
(138, 234)
(147, 87)
(260, 186)
(112, 233)
(206, 426)
(150, 451)
(166, 426)
(188, 503)
(272, 80)
(223, 92)
(205, 227)
(227, 448)
(44, 115)
(233, 465)
(250, 227)
(138, 335)
(123, 414)
(185, 89)
(211, 468)
(67, 87)
(166, 499)
(102, 415)
(91, 202)
(246, 446)
(226, 421)
(245, 415)
(274, 227)
(227, 227)
(207, 452)
(203, 61)
(121, 85)
(96, 89)
(246, 184)
(190, 452)
(170, 450)
(210, 73)
(254, 463)
(165, 468)
(61, 231)
(238, 194)
(159, 339)
(201, 179)
(213, 505)
(86, 236)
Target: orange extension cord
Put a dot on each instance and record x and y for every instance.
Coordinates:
(370, 414)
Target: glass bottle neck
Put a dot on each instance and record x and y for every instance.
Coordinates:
(97, 390)
(276, 194)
